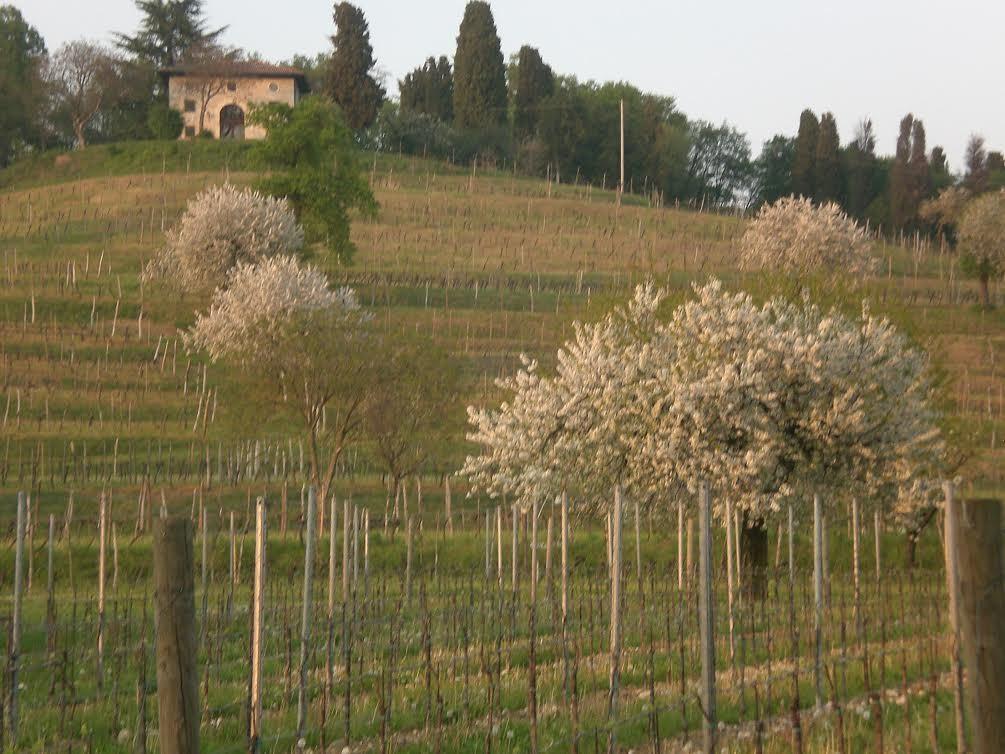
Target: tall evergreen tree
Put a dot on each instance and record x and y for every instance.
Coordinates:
(21, 54)
(429, 89)
(976, 177)
(350, 81)
(479, 71)
(900, 188)
(827, 179)
(917, 166)
(168, 29)
(860, 167)
(534, 81)
(804, 160)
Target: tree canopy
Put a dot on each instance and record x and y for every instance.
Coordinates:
(350, 81)
(479, 70)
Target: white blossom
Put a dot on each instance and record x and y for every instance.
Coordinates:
(793, 235)
(223, 227)
(262, 305)
(769, 402)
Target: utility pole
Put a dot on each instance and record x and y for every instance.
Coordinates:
(621, 180)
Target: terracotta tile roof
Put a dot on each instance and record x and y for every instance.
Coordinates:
(236, 69)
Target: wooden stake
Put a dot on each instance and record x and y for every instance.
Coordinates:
(305, 626)
(257, 615)
(706, 618)
(177, 673)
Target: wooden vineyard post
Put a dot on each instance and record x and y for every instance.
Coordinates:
(102, 536)
(981, 611)
(257, 615)
(953, 582)
(16, 618)
(706, 617)
(875, 528)
(177, 674)
(447, 505)
(346, 525)
(792, 551)
(532, 668)
(499, 545)
(855, 549)
(680, 545)
(233, 570)
(729, 577)
(50, 577)
(818, 598)
(331, 560)
(305, 630)
(204, 565)
(615, 665)
(638, 544)
(488, 546)
(408, 562)
(513, 561)
(565, 593)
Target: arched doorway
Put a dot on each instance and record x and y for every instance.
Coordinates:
(231, 122)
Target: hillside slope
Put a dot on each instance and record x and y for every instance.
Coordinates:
(96, 384)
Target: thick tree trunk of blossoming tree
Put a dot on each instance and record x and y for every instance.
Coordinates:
(754, 552)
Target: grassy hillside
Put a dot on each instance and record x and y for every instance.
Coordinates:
(97, 393)
(92, 370)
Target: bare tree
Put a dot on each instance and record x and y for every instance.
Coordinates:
(407, 414)
(82, 78)
(211, 68)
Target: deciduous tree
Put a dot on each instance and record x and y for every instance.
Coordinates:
(312, 156)
(302, 350)
(22, 53)
(982, 240)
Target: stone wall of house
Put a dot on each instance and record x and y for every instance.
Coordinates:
(186, 94)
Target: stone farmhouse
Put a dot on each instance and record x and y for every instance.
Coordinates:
(215, 97)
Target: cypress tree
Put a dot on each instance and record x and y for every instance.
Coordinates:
(429, 89)
(350, 81)
(479, 71)
(900, 182)
(804, 161)
(861, 168)
(917, 166)
(535, 81)
(976, 177)
(827, 179)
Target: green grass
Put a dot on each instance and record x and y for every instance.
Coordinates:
(487, 264)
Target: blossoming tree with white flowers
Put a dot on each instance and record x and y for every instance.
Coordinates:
(222, 227)
(305, 346)
(772, 403)
(795, 236)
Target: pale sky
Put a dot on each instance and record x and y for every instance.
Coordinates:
(755, 64)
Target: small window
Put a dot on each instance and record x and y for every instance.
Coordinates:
(189, 132)
(273, 87)
(231, 86)
(190, 105)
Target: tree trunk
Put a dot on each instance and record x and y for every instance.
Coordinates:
(911, 550)
(985, 292)
(754, 554)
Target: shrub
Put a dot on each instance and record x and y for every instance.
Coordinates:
(164, 122)
(312, 156)
(793, 235)
(222, 227)
(982, 240)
